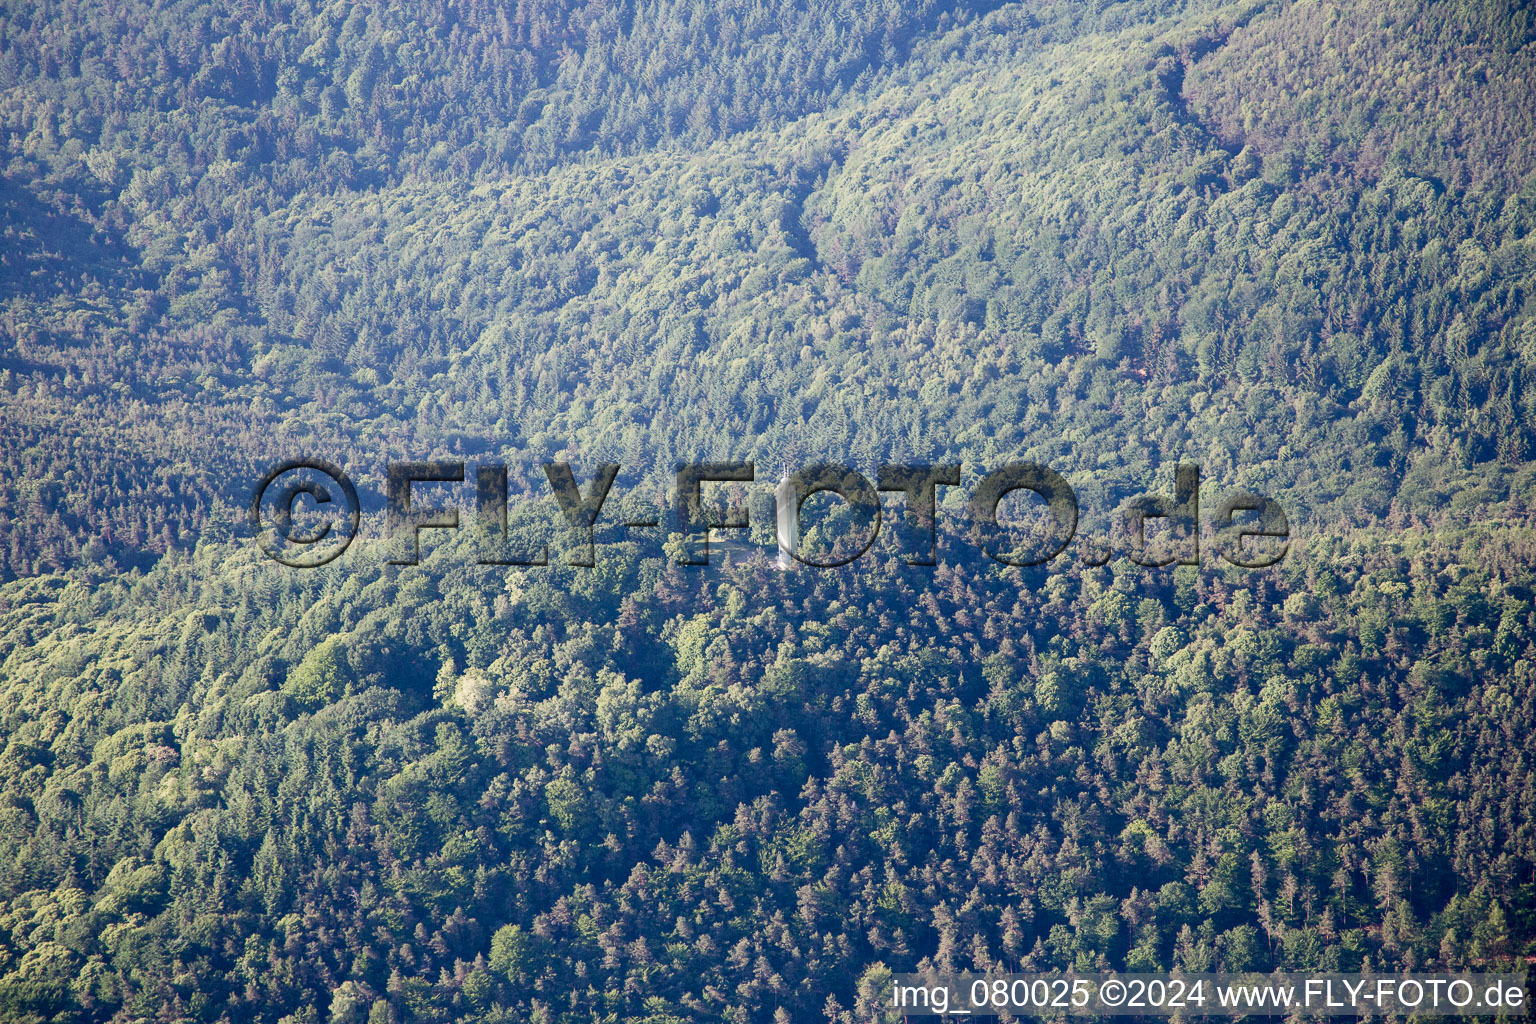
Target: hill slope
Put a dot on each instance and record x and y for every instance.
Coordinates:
(1293, 243)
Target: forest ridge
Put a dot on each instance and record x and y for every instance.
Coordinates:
(1292, 242)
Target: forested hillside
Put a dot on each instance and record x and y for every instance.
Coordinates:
(1292, 242)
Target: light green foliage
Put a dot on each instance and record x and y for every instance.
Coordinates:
(1292, 242)
(321, 678)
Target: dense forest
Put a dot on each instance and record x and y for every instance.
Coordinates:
(1294, 243)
